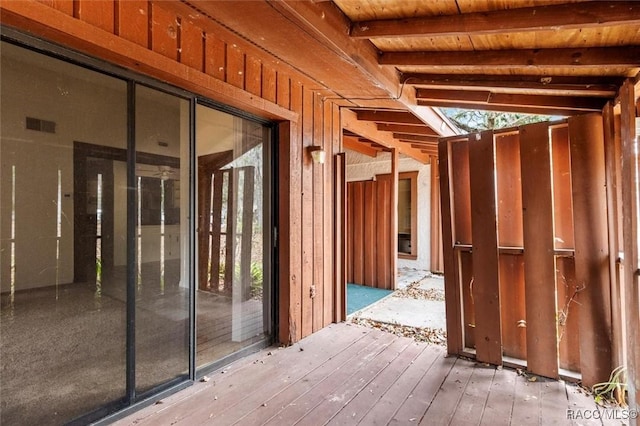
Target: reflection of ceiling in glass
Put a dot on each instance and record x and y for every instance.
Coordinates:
(214, 131)
(18, 56)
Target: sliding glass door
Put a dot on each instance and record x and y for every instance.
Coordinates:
(233, 234)
(63, 149)
(94, 240)
(122, 270)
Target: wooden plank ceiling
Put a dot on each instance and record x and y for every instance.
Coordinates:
(530, 56)
(387, 59)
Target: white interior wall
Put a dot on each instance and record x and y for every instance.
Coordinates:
(79, 103)
(86, 107)
(362, 167)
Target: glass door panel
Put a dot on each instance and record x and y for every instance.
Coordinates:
(62, 283)
(162, 279)
(233, 290)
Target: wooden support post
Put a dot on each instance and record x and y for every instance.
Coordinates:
(586, 137)
(369, 252)
(393, 237)
(358, 232)
(383, 215)
(486, 289)
(629, 185)
(539, 258)
(451, 285)
(289, 234)
(340, 237)
(617, 323)
(436, 218)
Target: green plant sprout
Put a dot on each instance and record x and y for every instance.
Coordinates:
(614, 390)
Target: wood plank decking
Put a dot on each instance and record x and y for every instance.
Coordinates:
(347, 375)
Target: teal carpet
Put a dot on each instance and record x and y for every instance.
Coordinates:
(359, 296)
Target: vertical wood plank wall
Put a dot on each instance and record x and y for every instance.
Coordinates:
(629, 189)
(485, 291)
(169, 41)
(586, 136)
(369, 210)
(437, 262)
(526, 287)
(540, 268)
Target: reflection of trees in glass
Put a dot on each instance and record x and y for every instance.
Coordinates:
(473, 121)
(251, 158)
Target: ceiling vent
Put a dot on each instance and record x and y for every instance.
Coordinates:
(41, 125)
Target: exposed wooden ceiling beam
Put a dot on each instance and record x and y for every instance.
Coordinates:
(329, 27)
(627, 56)
(424, 148)
(372, 144)
(351, 143)
(486, 97)
(500, 108)
(393, 117)
(539, 18)
(595, 86)
(351, 122)
(407, 128)
(417, 138)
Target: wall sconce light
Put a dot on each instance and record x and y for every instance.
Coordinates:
(318, 155)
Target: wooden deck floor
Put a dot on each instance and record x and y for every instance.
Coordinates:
(348, 375)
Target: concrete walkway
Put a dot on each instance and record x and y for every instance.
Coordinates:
(418, 302)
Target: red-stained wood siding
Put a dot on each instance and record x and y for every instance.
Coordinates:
(549, 257)
(586, 138)
(99, 13)
(369, 209)
(133, 21)
(170, 41)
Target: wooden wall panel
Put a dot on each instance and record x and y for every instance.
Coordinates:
(164, 32)
(293, 201)
(486, 290)
(64, 6)
(370, 226)
(290, 317)
(191, 45)
(318, 218)
(383, 219)
(349, 232)
(99, 13)
(269, 83)
(437, 262)
(568, 315)
(629, 190)
(393, 225)
(215, 63)
(282, 90)
(510, 234)
(509, 189)
(253, 76)
(460, 185)
(358, 232)
(340, 238)
(539, 258)
(513, 309)
(612, 180)
(465, 262)
(452, 287)
(331, 133)
(133, 21)
(235, 66)
(562, 200)
(591, 246)
(307, 213)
